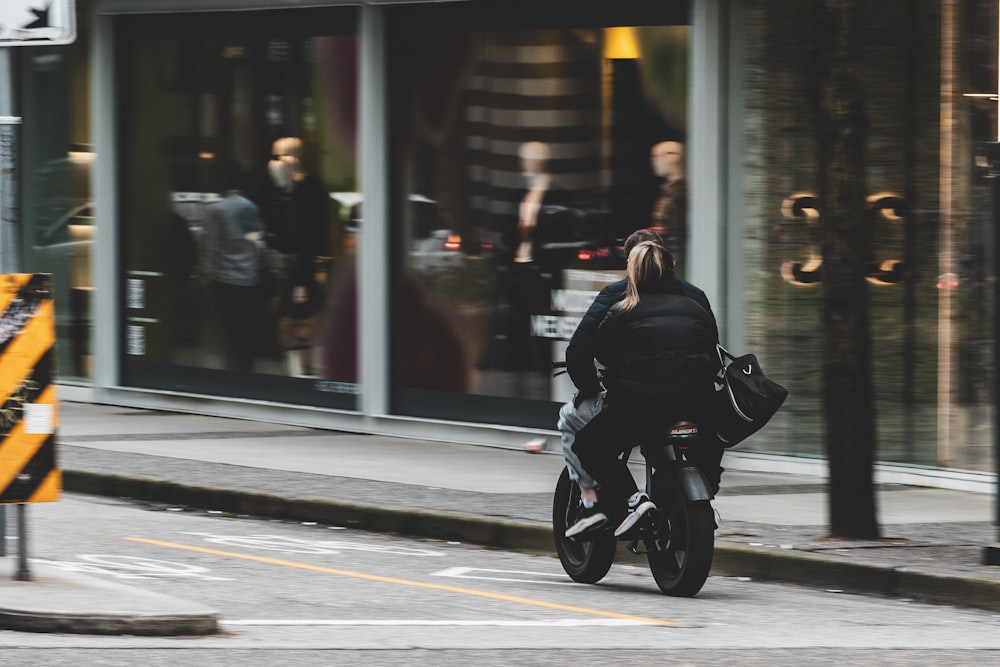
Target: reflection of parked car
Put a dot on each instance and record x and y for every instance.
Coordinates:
(64, 250)
(433, 242)
(440, 248)
(576, 238)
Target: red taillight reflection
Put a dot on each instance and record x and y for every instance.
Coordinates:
(587, 255)
(454, 242)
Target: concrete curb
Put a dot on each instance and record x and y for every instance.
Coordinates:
(794, 566)
(69, 602)
(832, 572)
(958, 591)
(418, 523)
(97, 622)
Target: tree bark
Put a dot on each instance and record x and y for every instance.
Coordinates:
(848, 395)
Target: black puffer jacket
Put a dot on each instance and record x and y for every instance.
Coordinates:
(665, 345)
(582, 348)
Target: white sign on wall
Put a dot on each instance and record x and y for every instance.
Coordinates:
(37, 22)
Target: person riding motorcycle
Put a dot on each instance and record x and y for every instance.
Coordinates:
(589, 398)
(659, 348)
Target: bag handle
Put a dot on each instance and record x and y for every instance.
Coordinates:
(723, 354)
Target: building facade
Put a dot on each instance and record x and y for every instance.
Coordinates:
(434, 191)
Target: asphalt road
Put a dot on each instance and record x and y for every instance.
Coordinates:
(297, 594)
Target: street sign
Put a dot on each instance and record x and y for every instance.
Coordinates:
(28, 411)
(37, 22)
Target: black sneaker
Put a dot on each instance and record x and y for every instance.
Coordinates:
(589, 518)
(637, 508)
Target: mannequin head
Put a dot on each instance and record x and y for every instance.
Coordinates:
(667, 158)
(534, 158)
(285, 165)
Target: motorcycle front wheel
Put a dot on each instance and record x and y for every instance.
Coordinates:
(588, 558)
(681, 542)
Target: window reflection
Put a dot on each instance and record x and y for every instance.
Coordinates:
(528, 159)
(239, 153)
(57, 208)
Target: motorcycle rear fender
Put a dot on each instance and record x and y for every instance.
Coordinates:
(692, 482)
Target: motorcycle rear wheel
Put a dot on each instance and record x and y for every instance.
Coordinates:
(682, 542)
(587, 558)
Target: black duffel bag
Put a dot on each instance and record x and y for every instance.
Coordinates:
(746, 398)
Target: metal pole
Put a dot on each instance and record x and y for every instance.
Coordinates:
(991, 553)
(6, 192)
(9, 168)
(994, 149)
(8, 198)
(10, 250)
(23, 573)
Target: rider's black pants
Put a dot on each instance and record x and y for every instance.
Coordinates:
(628, 420)
(624, 423)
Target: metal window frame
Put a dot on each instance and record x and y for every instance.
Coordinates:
(112, 7)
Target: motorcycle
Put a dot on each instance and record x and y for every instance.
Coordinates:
(678, 538)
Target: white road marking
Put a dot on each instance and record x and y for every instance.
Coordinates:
(492, 595)
(297, 545)
(130, 567)
(562, 623)
(558, 579)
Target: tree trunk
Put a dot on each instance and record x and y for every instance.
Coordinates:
(848, 395)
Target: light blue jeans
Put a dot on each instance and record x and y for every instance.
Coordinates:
(571, 420)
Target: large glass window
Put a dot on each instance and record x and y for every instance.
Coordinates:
(57, 200)
(237, 182)
(524, 157)
(929, 84)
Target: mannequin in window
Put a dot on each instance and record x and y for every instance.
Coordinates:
(298, 226)
(669, 214)
(526, 283)
(540, 192)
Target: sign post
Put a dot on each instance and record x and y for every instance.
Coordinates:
(28, 410)
(22, 23)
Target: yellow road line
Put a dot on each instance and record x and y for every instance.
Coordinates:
(406, 582)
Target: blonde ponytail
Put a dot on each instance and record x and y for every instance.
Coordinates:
(647, 263)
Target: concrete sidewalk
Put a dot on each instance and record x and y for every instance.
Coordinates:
(773, 526)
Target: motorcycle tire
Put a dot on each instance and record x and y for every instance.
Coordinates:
(682, 542)
(587, 558)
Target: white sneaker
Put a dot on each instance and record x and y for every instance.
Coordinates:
(637, 508)
(590, 519)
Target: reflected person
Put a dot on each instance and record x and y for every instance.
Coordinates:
(669, 213)
(298, 225)
(233, 236)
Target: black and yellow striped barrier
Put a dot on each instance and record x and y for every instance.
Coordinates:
(29, 413)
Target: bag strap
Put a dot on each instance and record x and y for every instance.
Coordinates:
(723, 354)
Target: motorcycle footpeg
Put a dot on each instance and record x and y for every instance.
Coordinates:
(633, 548)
